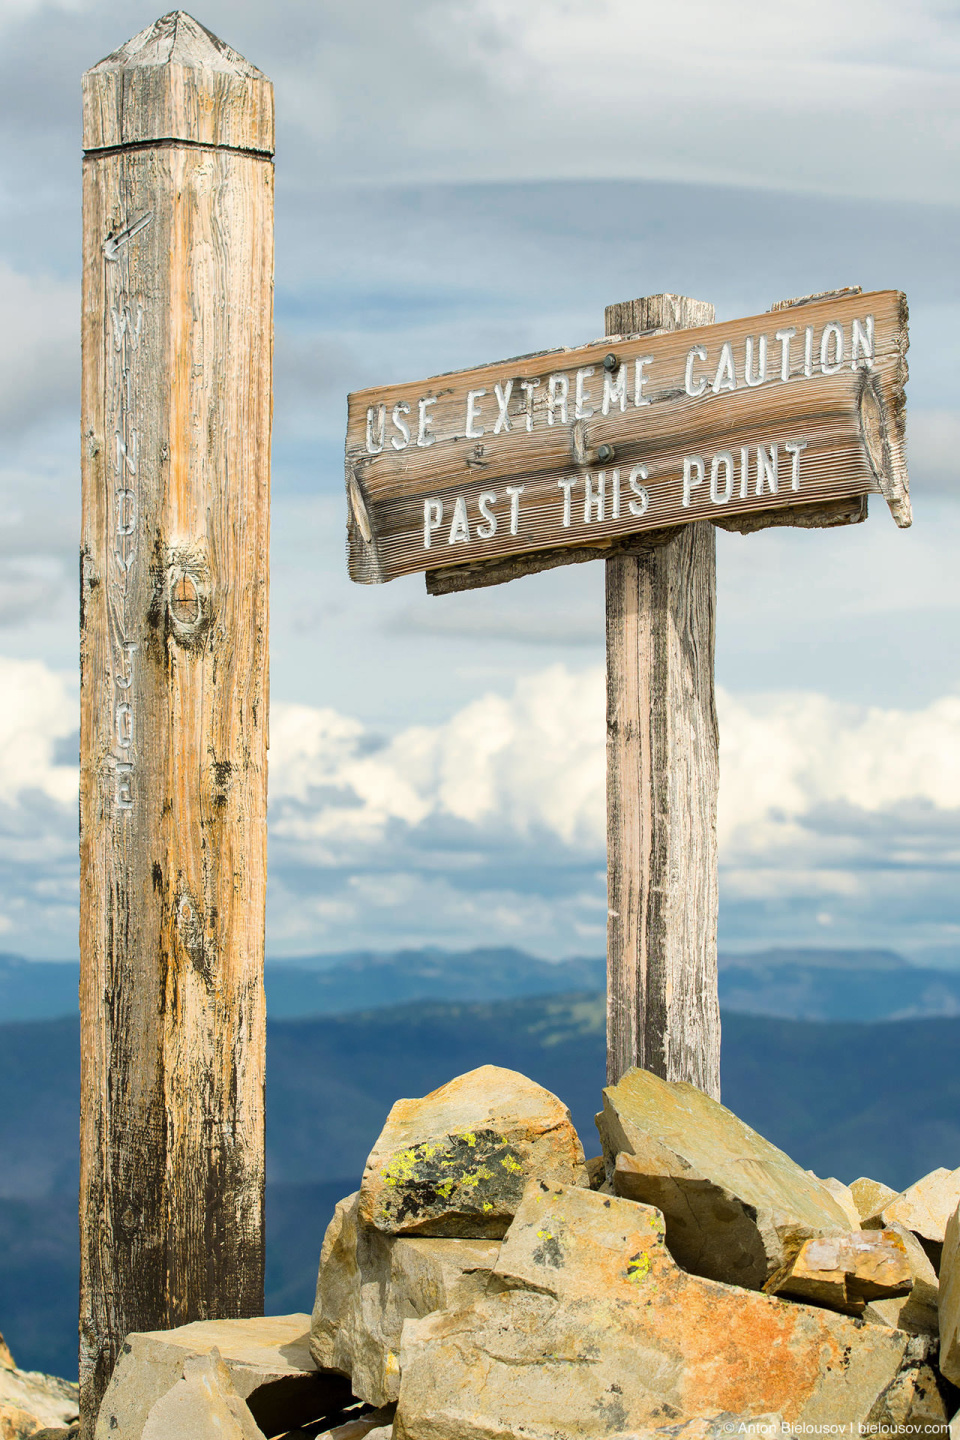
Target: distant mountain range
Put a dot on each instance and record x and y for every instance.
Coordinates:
(843, 1099)
(793, 984)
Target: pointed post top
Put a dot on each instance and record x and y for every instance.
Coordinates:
(177, 81)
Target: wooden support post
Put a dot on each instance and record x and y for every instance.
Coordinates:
(662, 773)
(177, 353)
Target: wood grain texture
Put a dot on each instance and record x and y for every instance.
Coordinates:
(177, 81)
(823, 516)
(177, 342)
(662, 777)
(453, 579)
(826, 515)
(825, 379)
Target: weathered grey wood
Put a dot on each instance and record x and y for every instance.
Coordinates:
(657, 315)
(451, 579)
(177, 341)
(825, 516)
(662, 775)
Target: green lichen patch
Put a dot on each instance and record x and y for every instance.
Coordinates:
(465, 1183)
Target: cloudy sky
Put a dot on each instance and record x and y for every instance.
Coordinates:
(460, 180)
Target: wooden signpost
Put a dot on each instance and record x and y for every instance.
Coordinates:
(631, 450)
(177, 342)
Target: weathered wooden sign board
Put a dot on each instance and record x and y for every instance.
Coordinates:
(635, 433)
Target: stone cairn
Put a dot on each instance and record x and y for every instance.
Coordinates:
(486, 1282)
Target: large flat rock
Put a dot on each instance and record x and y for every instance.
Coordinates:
(370, 1283)
(599, 1332)
(455, 1162)
(736, 1207)
(267, 1360)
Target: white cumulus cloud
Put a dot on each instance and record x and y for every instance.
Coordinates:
(38, 710)
(490, 826)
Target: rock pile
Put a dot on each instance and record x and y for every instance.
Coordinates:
(486, 1283)
(32, 1404)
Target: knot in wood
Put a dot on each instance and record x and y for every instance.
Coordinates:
(185, 606)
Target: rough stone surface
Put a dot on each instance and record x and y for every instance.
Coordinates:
(7, 1361)
(844, 1198)
(916, 1312)
(949, 1313)
(30, 1401)
(204, 1403)
(455, 1162)
(912, 1405)
(869, 1196)
(599, 1332)
(370, 1283)
(268, 1361)
(736, 1207)
(924, 1208)
(846, 1270)
(375, 1425)
(596, 1172)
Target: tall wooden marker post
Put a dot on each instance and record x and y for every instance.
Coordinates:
(177, 356)
(632, 450)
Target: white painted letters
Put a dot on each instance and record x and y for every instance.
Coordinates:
(808, 351)
(528, 387)
(693, 471)
(566, 486)
(614, 389)
(399, 410)
(558, 391)
(594, 500)
(726, 376)
(488, 529)
(722, 460)
(697, 353)
(793, 449)
(785, 336)
(757, 378)
(582, 409)
(503, 393)
(473, 431)
(459, 527)
(424, 437)
(641, 504)
(862, 344)
(639, 379)
(514, 491)
(767, 468)
(376, 423)
(615, 493)
(432, 518)
(832, 334)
